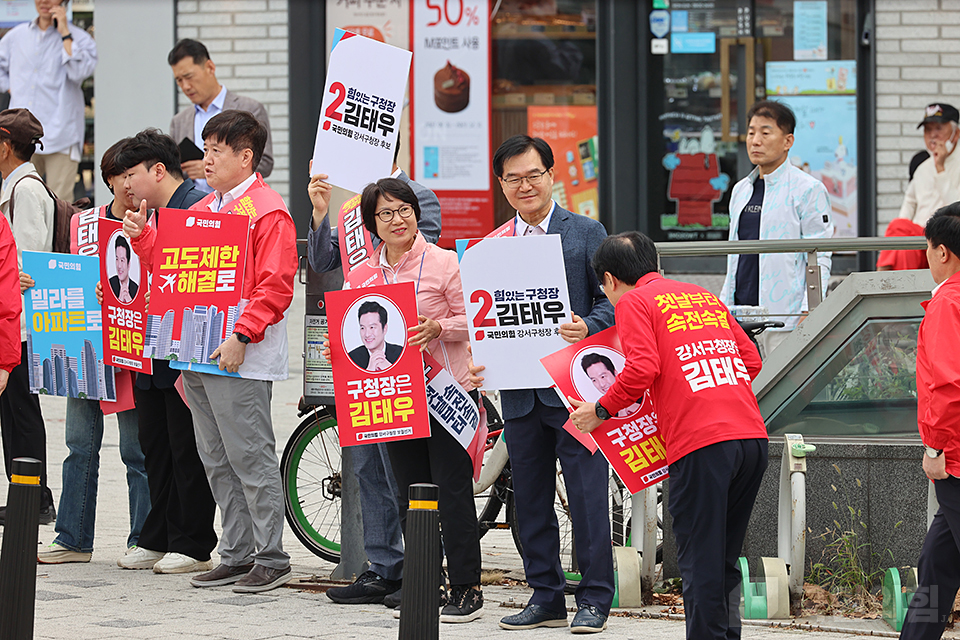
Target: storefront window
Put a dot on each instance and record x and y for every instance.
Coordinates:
(545, 84)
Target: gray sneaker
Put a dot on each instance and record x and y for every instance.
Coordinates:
(222, 575)
(261, 579)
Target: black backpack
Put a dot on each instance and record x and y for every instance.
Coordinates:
(62, 212)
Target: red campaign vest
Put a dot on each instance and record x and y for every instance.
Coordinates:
(258, 200)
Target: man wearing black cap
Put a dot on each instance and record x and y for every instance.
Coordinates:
(21, 422)
(936, 182)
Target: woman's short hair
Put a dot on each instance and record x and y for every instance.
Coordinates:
(387, 187)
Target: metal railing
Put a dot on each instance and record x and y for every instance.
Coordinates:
(809, 246)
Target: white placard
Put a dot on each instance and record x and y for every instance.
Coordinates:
(451, 94)
(360, 115)
(515, 292)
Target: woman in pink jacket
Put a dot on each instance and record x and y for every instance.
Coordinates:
(390, 211)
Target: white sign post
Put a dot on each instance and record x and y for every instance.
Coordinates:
(360, 116)
(515, 292)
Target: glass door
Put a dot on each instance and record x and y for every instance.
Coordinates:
(717, 58)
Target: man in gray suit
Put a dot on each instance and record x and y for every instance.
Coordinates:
(534, 418)
(196, 76)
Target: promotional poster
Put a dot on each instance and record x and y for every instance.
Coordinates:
(195, 290)
(124, 283)
(572, 134)
(64, 328)
(378, 380)
(630, 440)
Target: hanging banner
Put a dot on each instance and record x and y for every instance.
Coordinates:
(195, 290)
(572, 134)
(451, 111)
(64, 329)
(630, 440)
(124, 283)
(362, 99)
(378, 382)
(514, 312)
(823, 96)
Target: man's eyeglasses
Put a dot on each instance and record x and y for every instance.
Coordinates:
(532, 180)
(386, 215)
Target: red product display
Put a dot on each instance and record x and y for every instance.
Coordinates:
(690, 188)
(681, 343)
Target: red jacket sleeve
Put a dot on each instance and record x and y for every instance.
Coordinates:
(274, 243)
(748, 351)
(639, 342)
(940, 416)
(10, 299)
(143, 246)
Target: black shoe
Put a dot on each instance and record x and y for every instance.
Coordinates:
(534, 616)
(48, 515)
(368, 588)
(392, 601)
(588, 620)
(464, 604)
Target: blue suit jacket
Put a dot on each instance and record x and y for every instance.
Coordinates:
(580, 237)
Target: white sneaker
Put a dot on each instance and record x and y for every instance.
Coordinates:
(139, 558)
(55, 553)
(179, 563)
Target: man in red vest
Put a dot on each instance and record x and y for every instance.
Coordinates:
(682, 343)
(231, 415)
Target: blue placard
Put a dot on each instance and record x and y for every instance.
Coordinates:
(64, 327)
(697, 42)
(810, 30)
(679, 20)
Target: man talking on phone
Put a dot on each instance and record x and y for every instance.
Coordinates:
(42, 64)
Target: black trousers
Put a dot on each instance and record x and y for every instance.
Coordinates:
(182, 506)
(440, 460)
(21, 424)
(712, 491)
(535, 442)
(938, 570)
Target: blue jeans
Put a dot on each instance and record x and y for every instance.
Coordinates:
(382, 539)
(77, 513)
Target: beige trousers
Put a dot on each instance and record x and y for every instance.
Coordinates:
(59, 172)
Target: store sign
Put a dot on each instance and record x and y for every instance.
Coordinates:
(572, 134)
(451, 111)
(699, 42)
(659, 23)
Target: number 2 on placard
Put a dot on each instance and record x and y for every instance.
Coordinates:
(331, 112)
(486, 302)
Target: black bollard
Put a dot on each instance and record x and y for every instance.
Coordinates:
(18, 557)
(419, 600)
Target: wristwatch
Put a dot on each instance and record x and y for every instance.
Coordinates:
(242, 338)
(933, 453)
(602, 413)
(67, 37)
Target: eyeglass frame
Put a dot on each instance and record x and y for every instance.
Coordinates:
(395, 212)
(533, 180)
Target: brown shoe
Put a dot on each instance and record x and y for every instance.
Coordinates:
(262, 578)
(223, 574)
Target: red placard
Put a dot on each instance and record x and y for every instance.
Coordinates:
(198, 261)
(123, 279)
(630, 441)
(377, 379)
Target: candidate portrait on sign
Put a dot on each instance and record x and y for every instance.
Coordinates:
(120, 268)
(602, 373)
(375, 354)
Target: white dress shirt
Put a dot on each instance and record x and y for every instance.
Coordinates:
(41, 77)
(224, 199)
(524, 229)
(200, 119)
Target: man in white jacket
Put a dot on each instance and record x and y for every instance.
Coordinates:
(777, 201)
(31, 219)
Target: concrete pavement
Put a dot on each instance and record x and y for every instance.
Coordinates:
(100, 600)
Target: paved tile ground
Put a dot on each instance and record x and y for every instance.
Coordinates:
(99, 600)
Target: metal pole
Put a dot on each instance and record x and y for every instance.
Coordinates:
(648, 563)
(419, 613)
(18, 556)
(353, 558)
